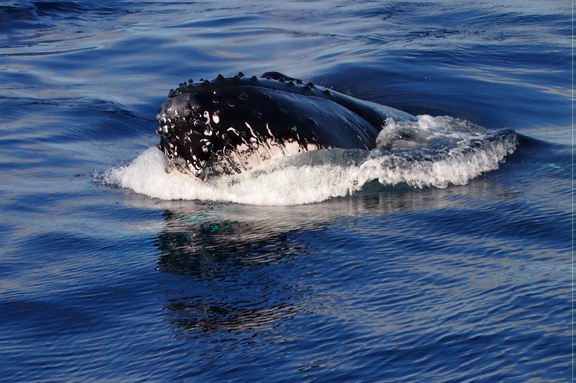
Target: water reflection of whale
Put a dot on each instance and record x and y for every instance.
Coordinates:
(248, 270)
(240, 272)
(200, 237)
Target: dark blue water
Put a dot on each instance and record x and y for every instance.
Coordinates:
(464, 283)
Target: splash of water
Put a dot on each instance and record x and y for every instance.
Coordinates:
(428, 152)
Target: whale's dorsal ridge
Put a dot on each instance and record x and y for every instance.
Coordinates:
(278, 76)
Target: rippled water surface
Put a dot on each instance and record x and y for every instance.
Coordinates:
(460, 282)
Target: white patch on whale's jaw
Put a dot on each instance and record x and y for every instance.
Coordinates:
(245, 158)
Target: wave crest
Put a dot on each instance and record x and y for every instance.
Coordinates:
(429, 152)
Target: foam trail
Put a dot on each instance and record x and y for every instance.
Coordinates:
(430, 152)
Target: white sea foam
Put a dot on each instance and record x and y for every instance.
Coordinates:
(430, 152)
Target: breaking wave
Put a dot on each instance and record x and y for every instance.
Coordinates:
(428, 152)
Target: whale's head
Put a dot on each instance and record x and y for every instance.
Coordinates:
(232, 124)
(187, 128)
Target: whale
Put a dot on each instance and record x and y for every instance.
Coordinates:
(230, 125)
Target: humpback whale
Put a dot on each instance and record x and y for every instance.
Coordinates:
(232, 124)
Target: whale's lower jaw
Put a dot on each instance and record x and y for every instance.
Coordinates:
(233, 161)
(231, 125)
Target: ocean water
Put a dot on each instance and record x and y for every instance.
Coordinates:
(451, 267)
